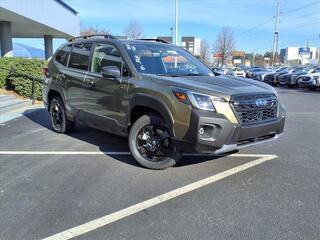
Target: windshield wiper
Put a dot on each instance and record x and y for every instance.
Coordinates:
(168, 75)
(192, 74)
(180, 75)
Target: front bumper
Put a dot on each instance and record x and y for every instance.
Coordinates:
(271, 79)
(226, 136)
(310, 83)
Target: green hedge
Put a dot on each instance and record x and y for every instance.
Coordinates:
(22, 84)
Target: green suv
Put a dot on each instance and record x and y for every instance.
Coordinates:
(159, 96)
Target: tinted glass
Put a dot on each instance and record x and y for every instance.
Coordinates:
(80, 54)
(62, 54)
(105, 55)
(316, 70)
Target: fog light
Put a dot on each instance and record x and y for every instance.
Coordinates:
(201, 131)
(206, 131)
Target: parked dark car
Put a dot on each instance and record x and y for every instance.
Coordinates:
(159, 96)
(273, 78)
(251, 72)
(217, 71)
(289, 79)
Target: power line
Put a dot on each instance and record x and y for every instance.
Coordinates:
(255, 27)
(303, 25)
(300, 8)
(303, 16)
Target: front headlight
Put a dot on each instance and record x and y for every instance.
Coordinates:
(202, 102)
(197, 100)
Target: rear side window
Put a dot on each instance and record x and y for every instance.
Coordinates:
(62, 54)
(80, 55)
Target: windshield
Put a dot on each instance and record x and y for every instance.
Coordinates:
(165, 60)
(296, 70)
(305, 70)
(283, 69)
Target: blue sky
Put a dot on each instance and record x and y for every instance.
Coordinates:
(252, 21)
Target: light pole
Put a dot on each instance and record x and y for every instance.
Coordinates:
(318, 53)
(176, 22)
(253, 59)
(276, 34)
(171, 29)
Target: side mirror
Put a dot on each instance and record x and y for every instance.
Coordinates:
(111, 72)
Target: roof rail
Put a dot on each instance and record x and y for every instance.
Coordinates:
(92, 36)
(153, 39)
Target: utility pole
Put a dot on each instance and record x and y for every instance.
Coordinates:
(253, 59)
(176, 26)
(276, 34)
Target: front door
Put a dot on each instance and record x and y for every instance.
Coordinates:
(99, 92)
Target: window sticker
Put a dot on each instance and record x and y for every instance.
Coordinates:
(138, 61)
(172, 52)
(128, 46)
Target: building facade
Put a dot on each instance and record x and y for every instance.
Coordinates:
(165, 38)
(299, 55)
(36, 19)
(191, 44)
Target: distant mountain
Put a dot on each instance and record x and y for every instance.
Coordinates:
(25, 51)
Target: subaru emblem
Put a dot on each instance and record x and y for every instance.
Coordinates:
(261, 102)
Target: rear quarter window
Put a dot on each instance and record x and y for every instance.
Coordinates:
(62, 54)
(80, 56)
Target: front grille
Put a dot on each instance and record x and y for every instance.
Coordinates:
(306, 79)
(252, 109)
(268, 78)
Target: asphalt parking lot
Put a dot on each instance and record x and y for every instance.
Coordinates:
(86, 185)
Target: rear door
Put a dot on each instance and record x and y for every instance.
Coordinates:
(77, 69)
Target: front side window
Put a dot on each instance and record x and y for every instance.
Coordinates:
(80, 55)
(165, 60)
(105, 55)
(62, 54)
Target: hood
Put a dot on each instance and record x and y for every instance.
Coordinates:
(312, 74)
(263, 73)
(222, 86)
(289, 75)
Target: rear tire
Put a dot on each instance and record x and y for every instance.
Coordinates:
(150, 143)
(58, 116)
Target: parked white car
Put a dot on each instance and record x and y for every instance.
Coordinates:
(238, 72)
(311, 80)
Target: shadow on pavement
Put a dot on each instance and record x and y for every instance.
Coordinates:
(105, 141)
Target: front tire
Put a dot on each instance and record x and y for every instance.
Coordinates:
(58, 116)
(151, 145)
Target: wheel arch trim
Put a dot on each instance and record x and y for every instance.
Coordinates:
(145, 100)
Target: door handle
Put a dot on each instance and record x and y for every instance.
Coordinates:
(88, 82)
(62, 76)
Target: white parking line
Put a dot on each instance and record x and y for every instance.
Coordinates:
(116, 216)
(111, 153)
(61, 153)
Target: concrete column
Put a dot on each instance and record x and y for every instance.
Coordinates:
(48, 46)
(6, 39)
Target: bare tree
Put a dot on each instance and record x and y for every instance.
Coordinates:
(133, 30)
(93, 30)
(224, 44)
(204, 52)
